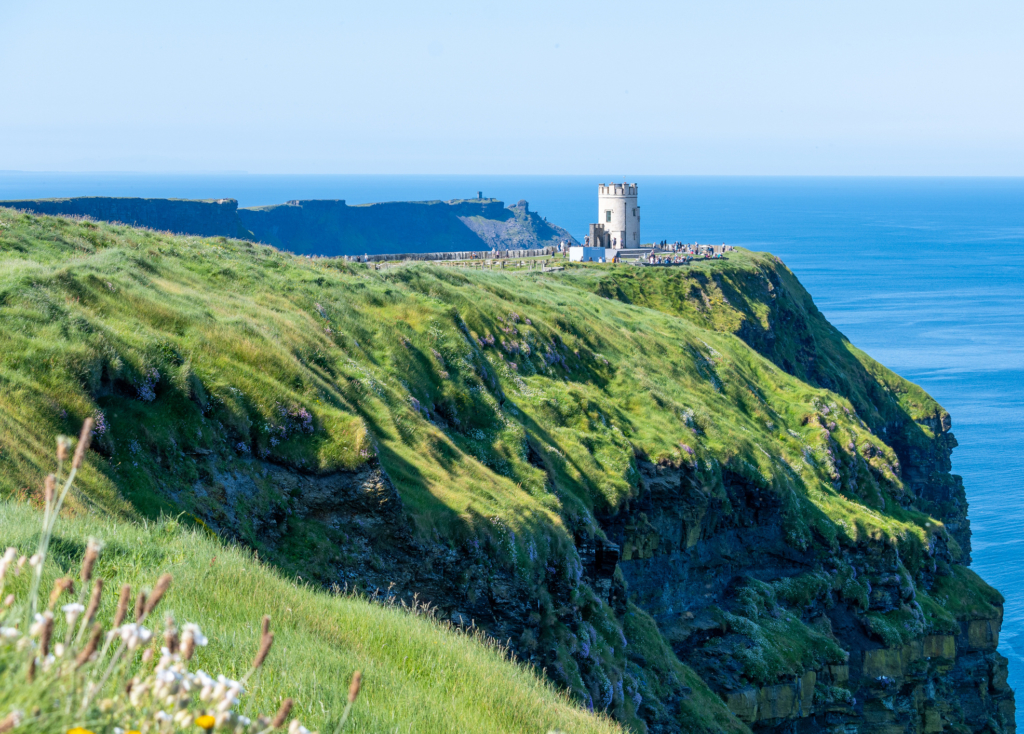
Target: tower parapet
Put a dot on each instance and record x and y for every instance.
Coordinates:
(622, 189)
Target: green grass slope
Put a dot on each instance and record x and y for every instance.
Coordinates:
(419, 675)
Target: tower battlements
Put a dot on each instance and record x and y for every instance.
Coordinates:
(622, 189)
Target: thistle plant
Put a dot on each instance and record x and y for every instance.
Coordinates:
(62, 671)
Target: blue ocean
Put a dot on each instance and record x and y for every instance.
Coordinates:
(926, 275)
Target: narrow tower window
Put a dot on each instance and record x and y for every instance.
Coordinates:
(608, 215)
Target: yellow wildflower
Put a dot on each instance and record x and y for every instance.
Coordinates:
(79, 730)
(205, 721)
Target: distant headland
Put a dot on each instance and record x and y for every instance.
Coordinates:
(328, 227)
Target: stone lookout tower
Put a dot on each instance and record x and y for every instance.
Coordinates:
(618, 217)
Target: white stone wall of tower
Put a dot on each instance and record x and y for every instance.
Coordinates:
(623, 225)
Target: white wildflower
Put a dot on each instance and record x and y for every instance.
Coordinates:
(5, 562)
(38, 623)
(15, 717)
(71, 612)
(193, 631)
(296, 728)
(134, 635)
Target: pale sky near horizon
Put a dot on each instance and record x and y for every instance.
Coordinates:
(728, 87)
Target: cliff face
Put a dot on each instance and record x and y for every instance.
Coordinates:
(332, 228)
(325, 227)
(902, 643)
(821, 639)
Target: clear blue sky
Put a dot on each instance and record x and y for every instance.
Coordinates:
(379, 86)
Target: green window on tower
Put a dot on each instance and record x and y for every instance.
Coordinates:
(608, 215)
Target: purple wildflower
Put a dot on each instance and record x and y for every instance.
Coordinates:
(145, 390)
(100, 426)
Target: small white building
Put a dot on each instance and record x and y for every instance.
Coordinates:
(618, 217)
(587, 254)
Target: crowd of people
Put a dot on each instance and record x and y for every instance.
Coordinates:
(678, 253)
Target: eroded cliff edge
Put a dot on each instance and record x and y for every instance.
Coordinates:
(680, 493)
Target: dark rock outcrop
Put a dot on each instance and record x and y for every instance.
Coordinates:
(690, 557)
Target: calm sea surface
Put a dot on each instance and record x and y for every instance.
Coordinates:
(927, 275)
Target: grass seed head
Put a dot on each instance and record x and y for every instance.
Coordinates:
(122, 605)
(188, 647)
(140, 606)
(282, 714)
(49, 487)
(265, 644)
(162, 585)
(45, 635)
(59, 587)
(92, 553)
(84, 439)
(90, 646)
(353, 689)
(94, 601)
(171, 638)
(63, 447)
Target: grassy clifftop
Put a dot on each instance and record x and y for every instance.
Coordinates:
(511, 412)
(185, 346)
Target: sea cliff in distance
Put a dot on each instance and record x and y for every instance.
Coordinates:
(329, 228)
